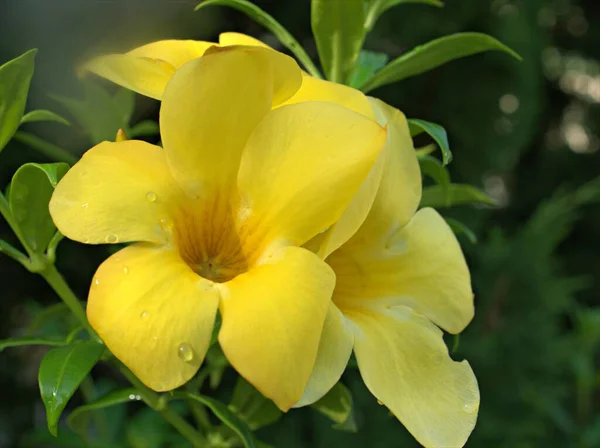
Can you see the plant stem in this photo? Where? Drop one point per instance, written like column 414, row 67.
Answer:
column 60, row 286
column 48, row 149
column 13, row 253
column 158, row 403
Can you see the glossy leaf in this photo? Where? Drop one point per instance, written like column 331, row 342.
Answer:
column 20, row 342
column 15, row 78
column 433, row 54
column 435, row 131
column 338, row 29
column 61, row 372
column 266, row 20
column 337, row 406
column 227, row 416
column 461, row 229
column 99, row 114
column 433, row 168
column 78, row 420
column 43, row 115
column 375, row 8
column 368, row 64
column 252, row 407
column 30, row 192
column 458, row 194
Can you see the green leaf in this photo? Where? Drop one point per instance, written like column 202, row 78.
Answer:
column 435, row 196
column 43, row 115
column 252, row 407
column 61, row 372
column 226, row 416
column 368, row 63
column 459, row 228
column 260, row 16
column 99, row 114
column 375, row 8
column 435, row 131
column 78, row 420
column 147, row 429
column 338, row 29
column 337, row 406
column 434, row 169
column 433, row 54
column 19, row 342
column 30, row 192
column 425, row 150
column 15, row 78
column 146, row 128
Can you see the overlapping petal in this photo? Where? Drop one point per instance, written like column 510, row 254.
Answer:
column 117, row 192
column 272, row 320
column 302, row 165
column 230, row 38
column 147, row 69
column 335, row 348
column 420, row 266
column 211, row 106
column 405, row 364
column 153, row 313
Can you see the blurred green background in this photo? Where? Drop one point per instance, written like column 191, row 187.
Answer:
column 527, row 133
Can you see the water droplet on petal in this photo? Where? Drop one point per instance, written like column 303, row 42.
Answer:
column 125, row 270
column 144, row 315
column 112, row 239
column 151, row 196
column 469, row 408
column 380, row 403
column 185, row 352
column 95, row 283
column 86, row 240
column 85, row 205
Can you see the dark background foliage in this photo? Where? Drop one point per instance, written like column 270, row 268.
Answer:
column 528, row 133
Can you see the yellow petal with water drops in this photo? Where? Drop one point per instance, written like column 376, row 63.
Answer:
column 421, row 266
column 399, row 192
column 334, row 352
column 314, row 89
column 230, row 38
column 211, row 106
column 147, row 69
column 154, row 314
column 117, row 192
column 302, row 166
column 404, row 362
column 272, row 317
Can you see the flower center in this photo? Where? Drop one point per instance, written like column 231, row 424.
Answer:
column 214, row 245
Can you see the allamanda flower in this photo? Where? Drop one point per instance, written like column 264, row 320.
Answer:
column 218, row 218
column 400, row 273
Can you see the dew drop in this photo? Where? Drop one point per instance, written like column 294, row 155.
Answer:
column 138, row 397
column 151, row 196
column 469, row 408
column 125, row 270
column 380, row 403
column 144, row 315
column 185, row 352
column 86, row 240
column 111, row 239
column 95, row 283
column 132, row 396
column 85, row 205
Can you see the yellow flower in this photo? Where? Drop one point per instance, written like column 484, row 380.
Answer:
column 400, row 274
column 218, row 218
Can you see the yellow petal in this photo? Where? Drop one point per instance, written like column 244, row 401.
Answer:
column 314, row 89
column 211, row 106
column 174, row 52
column 405, row 364
column 147, row 69
column 153, row 313
column 272, row 321
column 400, row 189
column 421, row 266
column 302, row 166
column 117, row 192
column 228, row 39
column 334, row 352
